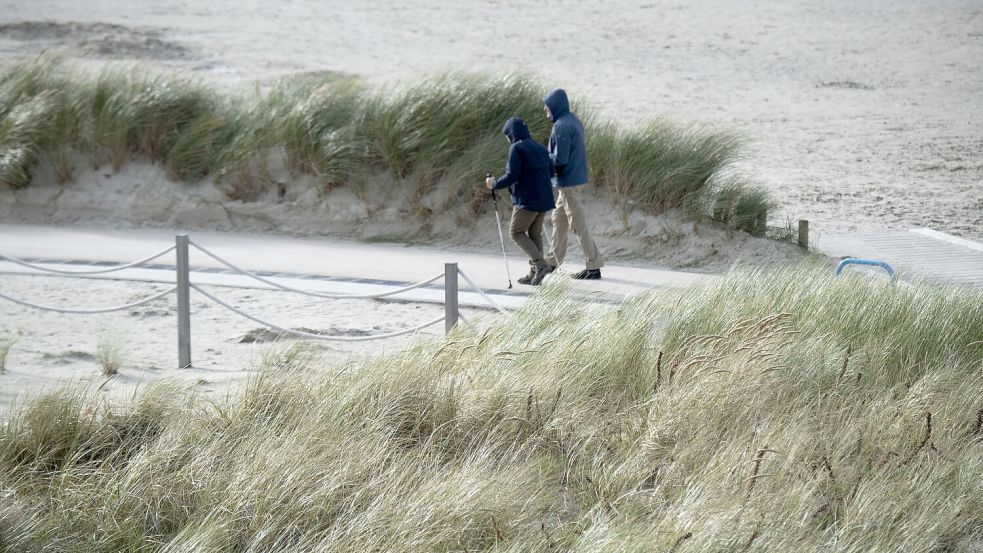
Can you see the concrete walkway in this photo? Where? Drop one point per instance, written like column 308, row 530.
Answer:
column 917, row 253
column 322, row 265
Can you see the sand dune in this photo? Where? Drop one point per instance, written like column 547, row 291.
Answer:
column 860, row 116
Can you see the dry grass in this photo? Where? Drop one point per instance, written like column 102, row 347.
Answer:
column 437, row 137
column 727, row 418
column 6, row 343
column 111, row 356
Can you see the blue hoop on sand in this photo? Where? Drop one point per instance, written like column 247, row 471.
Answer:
column 871, row 262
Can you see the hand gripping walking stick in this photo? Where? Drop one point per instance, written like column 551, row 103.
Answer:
column 501, row 236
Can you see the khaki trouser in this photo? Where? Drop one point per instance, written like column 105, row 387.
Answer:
column 526, row 230
column 569, row 214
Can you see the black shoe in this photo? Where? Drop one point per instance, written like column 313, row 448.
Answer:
column 528, row 278
column 541, row 274
column 588, row 274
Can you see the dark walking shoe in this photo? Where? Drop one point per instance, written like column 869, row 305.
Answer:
column 541, row 274
column 588, row 274
column 528, row 278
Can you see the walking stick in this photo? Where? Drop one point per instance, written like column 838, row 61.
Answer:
column 501, row 236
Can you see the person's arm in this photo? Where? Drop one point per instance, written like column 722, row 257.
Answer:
column 513, row 168
column 560, row 148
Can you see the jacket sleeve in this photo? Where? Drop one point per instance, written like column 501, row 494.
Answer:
column 560, row 148
column 513, row 168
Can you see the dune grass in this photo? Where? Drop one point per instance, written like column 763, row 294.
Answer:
column 441, row 134
column 663, row 166
column 6, row 343
column 780, row 412
column 111, row 355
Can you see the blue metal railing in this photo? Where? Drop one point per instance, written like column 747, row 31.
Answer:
column 870, row 262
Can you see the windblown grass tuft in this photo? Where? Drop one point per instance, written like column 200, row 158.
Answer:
column 26, row 130
column 6, row 343
column 736, row 203
column 319, row 121
column 441, row 134
column 111, row 356
column 420, row 131
column 769, row 412
column 660, row 165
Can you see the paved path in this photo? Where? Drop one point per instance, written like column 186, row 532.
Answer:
column 322, row 265
column 918, row 253
column 60, row 349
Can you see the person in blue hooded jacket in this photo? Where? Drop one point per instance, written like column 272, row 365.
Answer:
column 568, row 152
column 527, row 176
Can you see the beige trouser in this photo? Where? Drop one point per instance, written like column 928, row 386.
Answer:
column 526, row 230
column 569, row 214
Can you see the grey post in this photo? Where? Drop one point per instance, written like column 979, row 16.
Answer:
column 804, row 234
column 183, row 303
column 450, row 296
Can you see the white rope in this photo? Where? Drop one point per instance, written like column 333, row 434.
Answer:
column 95, row 272
column 316, row 294
column 317, row 336
column 464, row 319
column 480, row 291
column 89, row 311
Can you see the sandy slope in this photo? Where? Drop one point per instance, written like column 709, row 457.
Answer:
column 862, row 116
column 52, row 350
column 141, row 195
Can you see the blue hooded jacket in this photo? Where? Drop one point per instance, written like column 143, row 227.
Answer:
column 567, row 146
column 528, row 171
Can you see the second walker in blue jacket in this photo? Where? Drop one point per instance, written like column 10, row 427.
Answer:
column 527, row 176
column 568, row 151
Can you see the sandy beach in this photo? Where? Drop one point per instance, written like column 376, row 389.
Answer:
column 858, row 117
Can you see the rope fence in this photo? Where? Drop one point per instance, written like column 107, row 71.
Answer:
column 311, row 334
column 316, row 294
column 89, row 311
column 465, row 320
column 451, row 316
column 137, row 263
column 480, row 292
